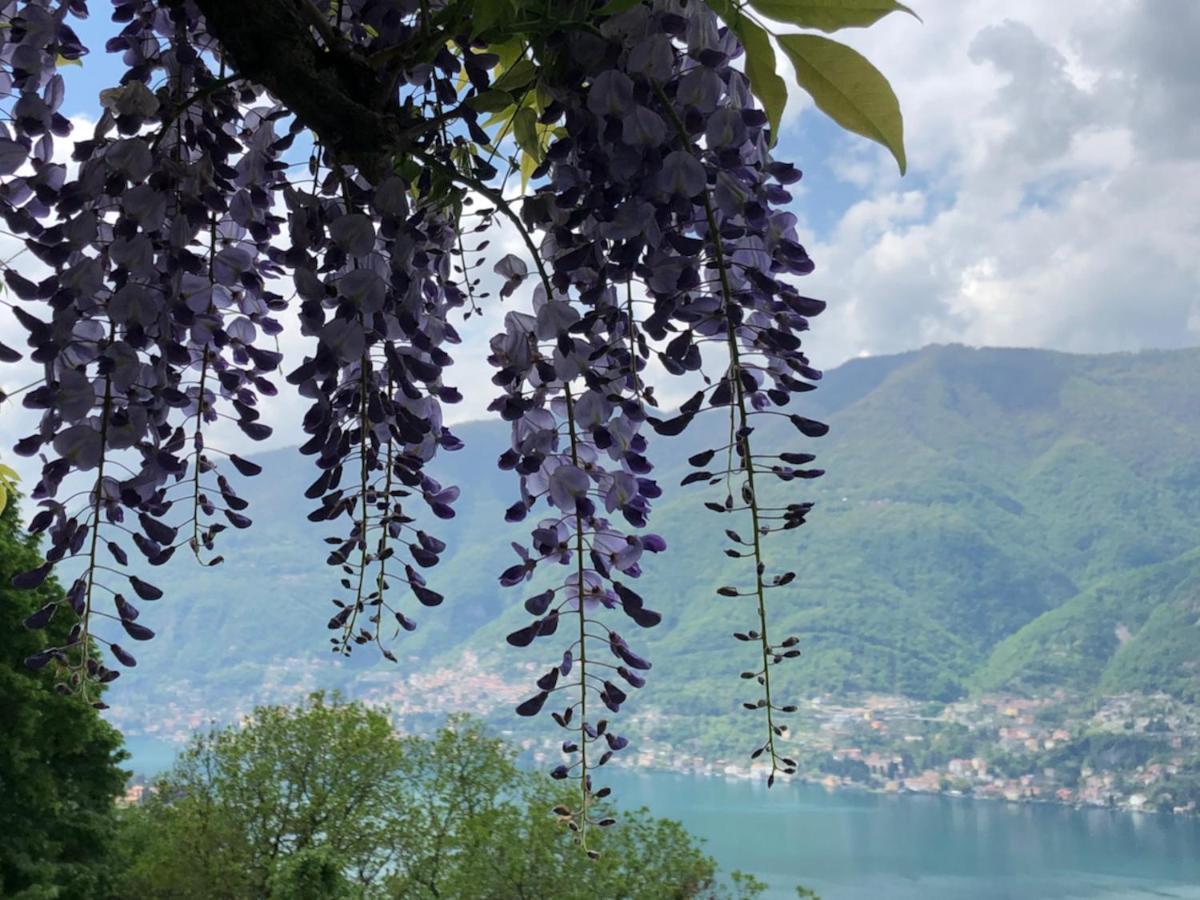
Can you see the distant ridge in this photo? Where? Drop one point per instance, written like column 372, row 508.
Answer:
column 991, row 519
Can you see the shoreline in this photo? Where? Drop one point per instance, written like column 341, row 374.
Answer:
column 815, row 780
column 830, row 784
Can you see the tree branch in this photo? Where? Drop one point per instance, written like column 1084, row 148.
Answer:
column 333, row 91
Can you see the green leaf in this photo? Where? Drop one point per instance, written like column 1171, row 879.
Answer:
column 542, row 98
column 491, row 101
column 528, row 165
column 519, row 74
column 509, row 52
column 829, row 15
column 499, row 118
column 487, row 14
column 525, row 131
column 847, row 88
column 408, row 169
column 768, row 87
column 8, row 484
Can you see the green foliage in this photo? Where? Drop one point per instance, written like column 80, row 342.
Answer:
column 950, row 741
column 1107, row 751
column 324, row 800
column 767, row 86
column 1162, row 656
column 770, row 89
column 240, row 800
column 314, row 873
column 828, row 15
column 850, row 90
column 59, row 761
column 842, row 83
column 8, row 485
column 490, row 14
column 1131, row 631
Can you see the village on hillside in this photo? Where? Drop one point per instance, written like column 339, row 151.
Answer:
column 1133, row 752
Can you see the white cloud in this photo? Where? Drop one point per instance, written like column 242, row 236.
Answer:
column 1054, row 190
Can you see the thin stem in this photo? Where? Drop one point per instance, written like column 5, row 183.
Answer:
column 98, row 493
column 503, row 205
column 743, row 432
column 633, row 344
column 195, row 542
column 182, row 107
column 381, row 582
column 364, row 523
column 584, row 792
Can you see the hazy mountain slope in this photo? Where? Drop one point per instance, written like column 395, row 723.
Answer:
column 1161, row 655
column 1077, row 644
column 969, row 494
column 990, row 518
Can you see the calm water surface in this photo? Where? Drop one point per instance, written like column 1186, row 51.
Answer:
column 856, row 846
column 852, row 846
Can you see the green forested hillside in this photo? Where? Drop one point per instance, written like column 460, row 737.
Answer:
column 991, row 519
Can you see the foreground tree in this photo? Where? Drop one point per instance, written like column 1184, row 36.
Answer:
column 336, row 159
column 324, row 801
column 59, row 761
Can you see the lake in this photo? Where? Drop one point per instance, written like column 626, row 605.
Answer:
column 848, row 845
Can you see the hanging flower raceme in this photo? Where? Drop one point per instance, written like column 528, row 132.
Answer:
column 220, row 188
column 156, row 290
column 379, row 316
column 661, row 191
column 576, row 446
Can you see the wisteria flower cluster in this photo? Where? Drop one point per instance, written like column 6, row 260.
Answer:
column 661, row 199
column 329, row 161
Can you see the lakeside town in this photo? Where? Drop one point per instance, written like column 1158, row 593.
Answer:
column 1132, row 752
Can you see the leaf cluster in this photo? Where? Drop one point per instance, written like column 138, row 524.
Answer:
column 59, row 761
column 325, row 800
column 841, row 81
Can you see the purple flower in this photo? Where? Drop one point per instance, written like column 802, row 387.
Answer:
column 568, row 484
column 725, row 128
column 169, row 239
column 514, row 271
column 643, row 128
column 700, row 89
column 652, row 57
column 610, row 94
column 682, row 175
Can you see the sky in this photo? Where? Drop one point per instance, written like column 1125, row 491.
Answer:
column 1053, row 194
column 1052, row 198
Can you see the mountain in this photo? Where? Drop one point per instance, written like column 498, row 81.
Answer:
column 992, row 519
